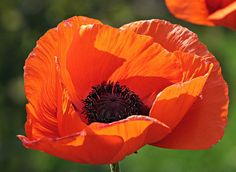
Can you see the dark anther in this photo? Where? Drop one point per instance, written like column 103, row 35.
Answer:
column 110, row 102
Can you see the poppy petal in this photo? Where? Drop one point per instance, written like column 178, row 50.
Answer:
column 206, row 12
column 174, row 101
column 192, row 66
column 192, row 11
column 155, row 61
column 154, row 57
column 204, row 123
column 113, row 141
column 150, row 63
column 40, row 76
column 78, row 147
column 68, row 115
column 35, row 128
column 136, row 131
column 214, row 106
column 171, row 36
column 69, row 120
column 146, row 87
column 124, row 49
column 142, row 56
column 156, row 71
column 87, row 65
column 66, row 33
column 225, row 16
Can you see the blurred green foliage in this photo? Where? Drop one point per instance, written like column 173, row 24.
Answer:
column 22, row 22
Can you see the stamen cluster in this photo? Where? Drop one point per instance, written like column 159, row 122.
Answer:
column 110, row 102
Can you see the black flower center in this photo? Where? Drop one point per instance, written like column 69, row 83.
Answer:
column 110, row 102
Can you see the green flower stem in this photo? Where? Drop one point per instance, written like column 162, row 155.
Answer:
column 115, row 167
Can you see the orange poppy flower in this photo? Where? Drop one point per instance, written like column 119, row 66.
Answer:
column 97, row 93
column 205, row 12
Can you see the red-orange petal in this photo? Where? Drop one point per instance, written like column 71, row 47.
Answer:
column 225, row 16
column 66, row 33
column 146, row 87
column 148, row 67
column 192, row 11
column 205, row 12
column 82, row 147
column 154, row 61
column 192, row 66
column 174, row 101
column 35, row 128
column 213, row 107
column 69, row 120
column 136, row 131
column 142, row 56
column 172, row 37
column 87, row 65
column 147, row 75
column 126, row 50
column 203, row 125
column 113, row 141
column 189, row 66
column 42, row 81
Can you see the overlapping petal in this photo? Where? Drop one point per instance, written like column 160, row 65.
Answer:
column 195, row 124
column 84, row 61
column 174, row 101
column 147, row 68
column 205, row 12
column 66, row 31
column 41, row 81
column 78, row 147
column 102, row 143
column 119, row 55
column 43, row 85
column 225, row 16
column 136, row 131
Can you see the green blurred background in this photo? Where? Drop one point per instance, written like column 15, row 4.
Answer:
column 22, row 22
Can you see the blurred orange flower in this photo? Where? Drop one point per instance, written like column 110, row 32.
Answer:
column 97, row 93
column 205, row 12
